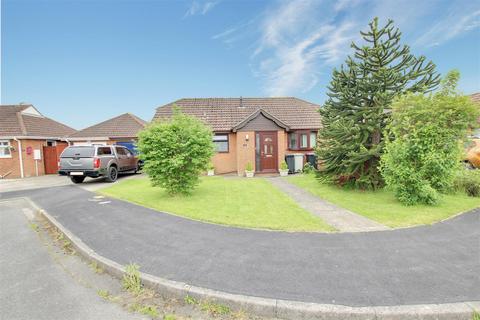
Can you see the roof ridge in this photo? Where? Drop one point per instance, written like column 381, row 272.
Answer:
column 137, row 119
column 20, row 121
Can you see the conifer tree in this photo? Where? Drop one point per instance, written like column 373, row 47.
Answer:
column 360, row 94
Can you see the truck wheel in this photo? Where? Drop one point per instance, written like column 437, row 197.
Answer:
column 112, row 174
column 77, row 179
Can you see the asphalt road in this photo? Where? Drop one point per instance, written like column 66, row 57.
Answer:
column 35, row 286
column 422, row 265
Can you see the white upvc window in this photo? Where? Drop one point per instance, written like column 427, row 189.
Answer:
column 221, row 142
column 5, row 149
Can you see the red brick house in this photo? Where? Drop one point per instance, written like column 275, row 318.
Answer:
column 30, row 143
column 260, row 131
column 122, row 130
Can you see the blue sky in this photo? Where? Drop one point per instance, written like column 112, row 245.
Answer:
column 81, row 62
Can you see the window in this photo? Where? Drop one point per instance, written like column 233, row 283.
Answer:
column 221, row 142
column 5, row 149
column 302, row 140
column 128, row 153
column 103, row 151
column 313, row 139
column 292, row 140
column 120, row 151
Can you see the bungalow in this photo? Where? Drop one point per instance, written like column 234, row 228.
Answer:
column 122, row 130
column 259, row 131
column 30, row 143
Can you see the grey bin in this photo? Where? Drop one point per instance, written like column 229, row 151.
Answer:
column 312, row 159
column 298, row 162
column 290, row 160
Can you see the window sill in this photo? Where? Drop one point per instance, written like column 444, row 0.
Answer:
column 5, row 157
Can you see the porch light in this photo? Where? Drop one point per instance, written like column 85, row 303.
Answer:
column 246, row 137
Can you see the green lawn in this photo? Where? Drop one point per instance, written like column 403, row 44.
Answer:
column 382, row 206
column 252, row 203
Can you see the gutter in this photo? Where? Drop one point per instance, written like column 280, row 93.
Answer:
column 20, row 158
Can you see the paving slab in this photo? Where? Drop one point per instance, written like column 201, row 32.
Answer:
column 341, row 219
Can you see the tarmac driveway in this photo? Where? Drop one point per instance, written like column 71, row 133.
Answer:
column 423, row 265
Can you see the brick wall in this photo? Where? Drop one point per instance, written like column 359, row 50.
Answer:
column 245, row 150
column 13, row 164
column 28, row 161
column 226, row 162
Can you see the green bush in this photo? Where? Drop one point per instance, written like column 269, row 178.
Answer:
column 249, row 167
column 468, row 181
column 423, row 143
column 283, row 166
column 176, row 152
column 308, row 168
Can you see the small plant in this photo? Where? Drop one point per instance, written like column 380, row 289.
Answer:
column 148, row 310
column 169, row 317
column 103, row 294
column 34, row 226
column 249, row 170
column 210, row 169
column 96, row 268
column 210, row 166
column 468, row 181
column 190, row 300
column 308, row 168
column 66, row 244
column 215, row 308
column 283, row 169
column 475, row 315
column 131, row 279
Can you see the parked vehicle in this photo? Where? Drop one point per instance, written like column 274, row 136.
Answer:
column 472, row 149
column 79, row 162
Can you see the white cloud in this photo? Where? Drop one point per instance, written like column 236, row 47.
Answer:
column 200, row 7
column 450, row 27
column 295, row 42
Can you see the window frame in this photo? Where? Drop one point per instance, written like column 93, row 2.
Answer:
column 227, row 140
column 9, row 147
column 298, row 134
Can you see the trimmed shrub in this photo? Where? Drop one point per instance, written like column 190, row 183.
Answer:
column 176, row 152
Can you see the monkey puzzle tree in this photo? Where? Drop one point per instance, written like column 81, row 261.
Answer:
column 357, row 110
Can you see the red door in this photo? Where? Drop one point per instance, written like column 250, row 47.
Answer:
column 50, row 159
column 268, row 151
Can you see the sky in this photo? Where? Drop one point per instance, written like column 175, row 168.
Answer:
column 82, row 62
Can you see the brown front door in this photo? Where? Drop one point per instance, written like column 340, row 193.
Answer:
column 50, row 159
column 268, row 151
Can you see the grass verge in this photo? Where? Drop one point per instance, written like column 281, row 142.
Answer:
column 382, row 206
column 252, row 203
